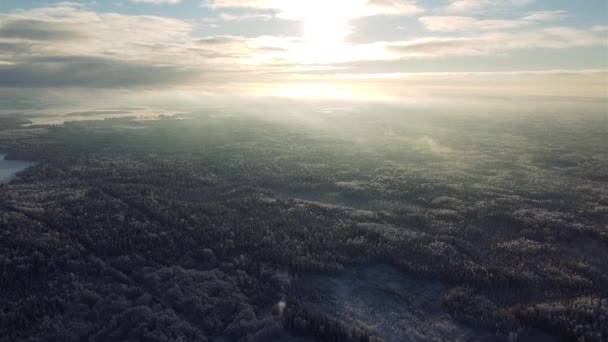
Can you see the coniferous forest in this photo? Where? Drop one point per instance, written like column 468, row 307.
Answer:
column 223, row 228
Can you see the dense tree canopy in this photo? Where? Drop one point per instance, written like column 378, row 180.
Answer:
column 206, row 228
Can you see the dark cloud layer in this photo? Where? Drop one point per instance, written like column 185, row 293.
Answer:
column 430, row 46
column 97, row 112
column 39, row 30
column 219, row 40
column 94, row 72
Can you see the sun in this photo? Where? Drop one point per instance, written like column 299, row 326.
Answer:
column 326, row 29
column 326, row 24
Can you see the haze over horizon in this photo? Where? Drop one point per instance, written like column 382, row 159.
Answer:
column 75, row 56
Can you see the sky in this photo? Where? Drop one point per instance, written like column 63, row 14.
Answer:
column 366, row 50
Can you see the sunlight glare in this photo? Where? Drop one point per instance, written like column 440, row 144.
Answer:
column 326, row 29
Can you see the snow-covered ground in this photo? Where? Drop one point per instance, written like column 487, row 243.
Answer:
column 398, row 307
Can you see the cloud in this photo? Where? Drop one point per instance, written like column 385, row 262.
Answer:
column 221, row 40
column 158, row 2
column 545, row 15
column 64, row 23
column 572, row 37
column 90, row 72
column 296, row 10
column 600, row 28
column 244, row 16
column 450, row 23
column 97, row 113
column 391, row 7
column 482, row 5
column 460, row 23
column 468, row 74
column 437, row 47
column 70, row 46
column 33, row 29
column 70, row 30
column 496, row 43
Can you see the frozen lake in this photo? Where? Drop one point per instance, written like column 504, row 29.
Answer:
column 9, row 168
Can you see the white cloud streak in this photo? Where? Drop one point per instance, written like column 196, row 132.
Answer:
column 296, row 10
column 450, row 23
column 546, row 15
column 482, row 5
column 158, row 2
column 244, row 16
column 461, row 23
column 496, row 43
